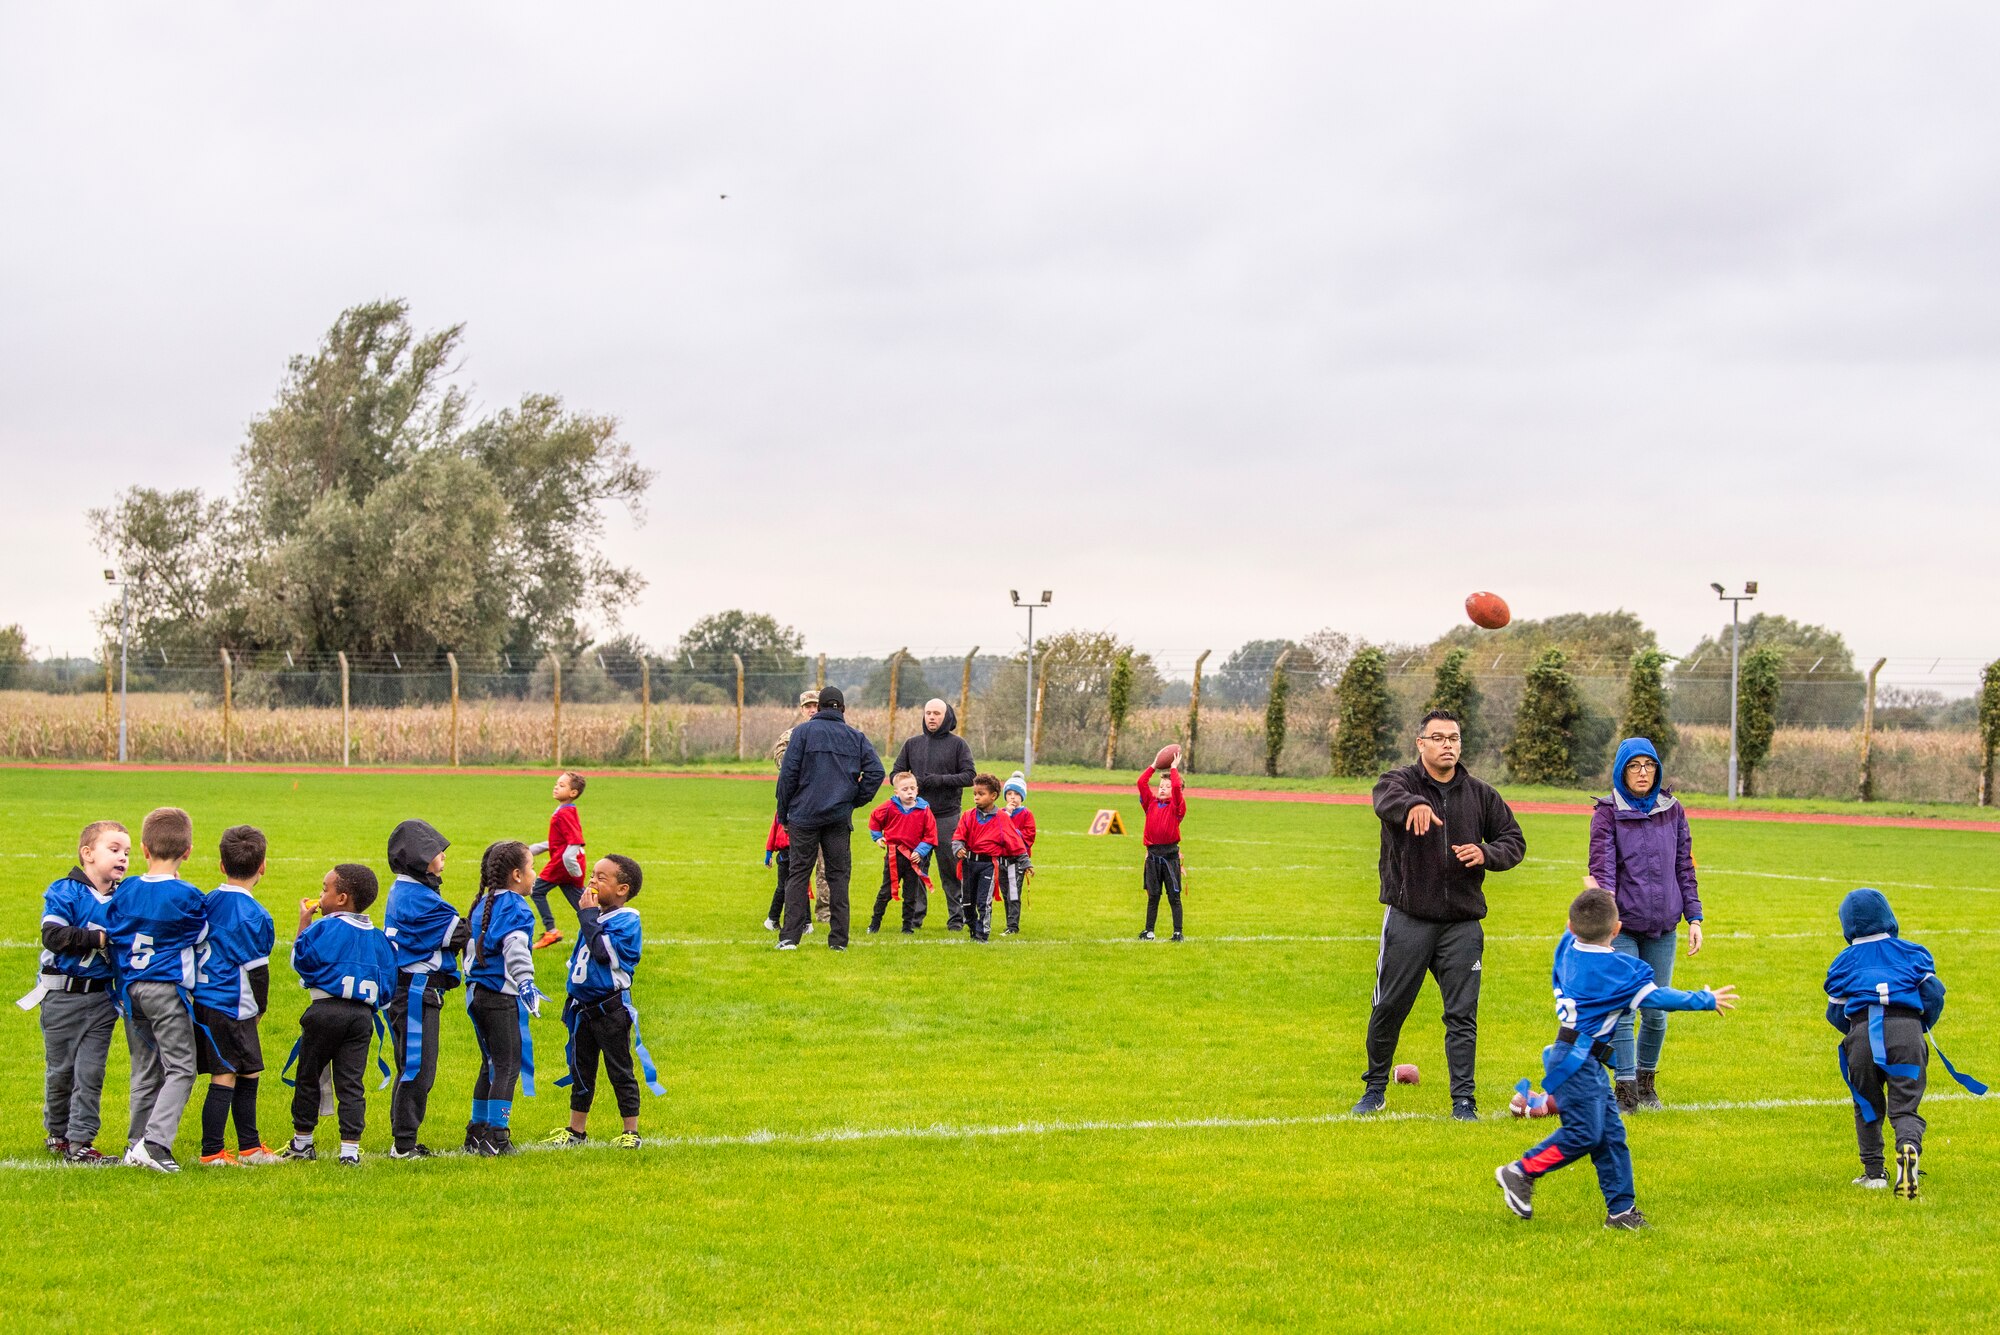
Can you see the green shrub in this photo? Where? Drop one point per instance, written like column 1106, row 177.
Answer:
column 1366, row 736
column 1542, row 749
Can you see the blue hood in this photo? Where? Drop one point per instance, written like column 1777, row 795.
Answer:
column 1866, row 912
column 1627, row 749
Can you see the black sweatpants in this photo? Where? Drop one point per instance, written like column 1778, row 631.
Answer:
column 784, row 861
column 1893, row 1097
column 810, row 843
column 1450, row 952
column 915, row 897
column 539, row 892
column 606, row 1030
column 1163, row 875
column 411, row 1099
column 334, row 1033
column 947, row 871
column 496, row 1018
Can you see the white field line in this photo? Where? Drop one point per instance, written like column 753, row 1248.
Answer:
column 941, row 1131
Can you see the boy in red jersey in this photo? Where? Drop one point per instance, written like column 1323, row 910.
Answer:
column 1165, row 807
column 1014, row 801
column 991, row 853
column 565, row 868
column 908, row 832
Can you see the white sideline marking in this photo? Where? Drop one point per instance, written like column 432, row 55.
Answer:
column 942, row 1131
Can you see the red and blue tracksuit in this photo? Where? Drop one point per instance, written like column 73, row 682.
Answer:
column 993, row 852
column 1594, row 986
column 908, row 834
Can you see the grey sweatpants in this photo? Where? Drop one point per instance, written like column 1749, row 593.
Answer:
column 160, row 1034
column 1894, row 1098
column 1449, row 952
column 76, row 1039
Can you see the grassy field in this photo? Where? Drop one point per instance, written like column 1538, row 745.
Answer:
column 1067, row 1130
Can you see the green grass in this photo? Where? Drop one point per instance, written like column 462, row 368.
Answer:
column 814, row 1164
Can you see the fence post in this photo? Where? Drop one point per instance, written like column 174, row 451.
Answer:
column 555, row 695
column 452, row 659
column 110, row 745
column 1194, row 715
column 895, row 690
column 739, row 700
column 820, row 683
column 346, row 730
column 965, row 689
column 1868, row 736
column 645, row 710
column 228, row 744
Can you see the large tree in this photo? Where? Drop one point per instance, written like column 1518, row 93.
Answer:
column 774, row 664
column 371, row 515
column 1823, row 688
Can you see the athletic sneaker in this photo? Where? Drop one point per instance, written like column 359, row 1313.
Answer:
column 788, row 945
column 562, row 1138
column 547, row 939
column 1906, row 1172
column 1464, row 1110
column 475, row 1138
column 1372, row 1101
column 909, row 931
column 298, row 1153
column 1147, row 935
column 499, row 1140
column 57, row 1146
column 1177, row 936
column 414, row 1152
column 874, row 927
column 1628, row 1219
column 1517, row 1189
column 770, row 924
column 87, row 1156
column 145, row 1154
column 220, row 1159
column 1011, row 931
column 350, row 1160
column 1875, row 1183
column 628, row 1141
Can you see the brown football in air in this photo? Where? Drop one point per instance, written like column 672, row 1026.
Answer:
column 1168, row 755
column 1488, row 610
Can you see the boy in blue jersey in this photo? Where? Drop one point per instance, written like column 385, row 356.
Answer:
column 75, row 991
column 1594, row 986
column 156, row 923
column 232, row 989
column 599, row 1013
column 348, row 970
column 1885, row 997
column 501, row 993
column 427, row 935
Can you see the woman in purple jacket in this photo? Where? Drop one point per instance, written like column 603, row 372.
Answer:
column 1641, row 852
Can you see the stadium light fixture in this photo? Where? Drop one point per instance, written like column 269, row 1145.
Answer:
column 125, row 587
column 1735, row 601
column 1028, row 733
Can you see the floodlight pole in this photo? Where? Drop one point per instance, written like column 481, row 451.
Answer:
column 1735, row 601
column 124, row 646
column 1028, row 719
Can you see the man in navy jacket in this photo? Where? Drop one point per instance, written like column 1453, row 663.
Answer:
column 829, row 769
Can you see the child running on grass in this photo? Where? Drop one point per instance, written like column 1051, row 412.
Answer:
column 232, row 990
column 564, row 869
column 599, row 1014
column 1594, row 985
column 76, row 991
column 1885, row 997
column 1165, row 807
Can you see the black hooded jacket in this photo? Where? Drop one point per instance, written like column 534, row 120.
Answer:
column 943, row 765
column 413, row 846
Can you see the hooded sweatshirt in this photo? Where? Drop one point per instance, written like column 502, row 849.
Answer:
column 1641, row 851
column 1879, row 967
column 424, row 932
column 943, row 765
column 1420, row 874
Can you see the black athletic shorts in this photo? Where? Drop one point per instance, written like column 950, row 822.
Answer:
column 228, row 1040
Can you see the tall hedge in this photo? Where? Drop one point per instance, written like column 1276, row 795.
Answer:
column 1118, row 699
column 1646, row 704
column 1366, row 735
column 1542, row 747
column 1757, row 692
column 1274, row 716
column 1452, row 688
column 1989, row 731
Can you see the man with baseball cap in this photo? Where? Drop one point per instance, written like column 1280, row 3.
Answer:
column 829, row 770
column 808, row 706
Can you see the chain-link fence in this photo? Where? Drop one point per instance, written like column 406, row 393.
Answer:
column 593, row 709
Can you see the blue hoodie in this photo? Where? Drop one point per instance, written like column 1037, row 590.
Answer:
column 1879, row 967
column 1628, row 750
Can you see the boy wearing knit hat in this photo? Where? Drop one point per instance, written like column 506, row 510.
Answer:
column 1014, row 796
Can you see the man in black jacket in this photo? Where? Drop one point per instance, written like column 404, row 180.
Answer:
column 1442, row 831
column 829, row 770
column 943, row 765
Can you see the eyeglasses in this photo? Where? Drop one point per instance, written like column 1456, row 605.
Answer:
column 1439, row 738
column 1642, row 764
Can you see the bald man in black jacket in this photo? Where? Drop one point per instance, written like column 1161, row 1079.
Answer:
column 943, row 765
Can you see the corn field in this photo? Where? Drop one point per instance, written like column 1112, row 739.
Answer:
column 163, row 727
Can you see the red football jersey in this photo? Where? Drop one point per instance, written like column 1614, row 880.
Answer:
column 565, row 865
column 1024, row 821
column 1163, row 819
column 904, row 828
column 994, row 836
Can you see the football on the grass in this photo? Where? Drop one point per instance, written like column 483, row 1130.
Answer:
column 1488, row 610
column 1407, row 1074
column 1532, row 1105
column 1168, row 755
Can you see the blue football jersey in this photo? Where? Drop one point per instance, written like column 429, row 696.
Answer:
column 70, row 902
column 1886, row 970
column 240, row 937
column 498, row 917
column 1594, row 985
column 418, row 923
column 156, row 922
column 344, row 956
column 592, row 979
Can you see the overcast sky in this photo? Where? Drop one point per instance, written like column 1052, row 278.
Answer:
column 1221, row 321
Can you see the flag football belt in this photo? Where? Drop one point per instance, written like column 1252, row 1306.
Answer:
column 1573, row 1060
column 62, row 982
column 1878, row 1049
column 292, row 1057
column 527, row 1038
column 573, row 1013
